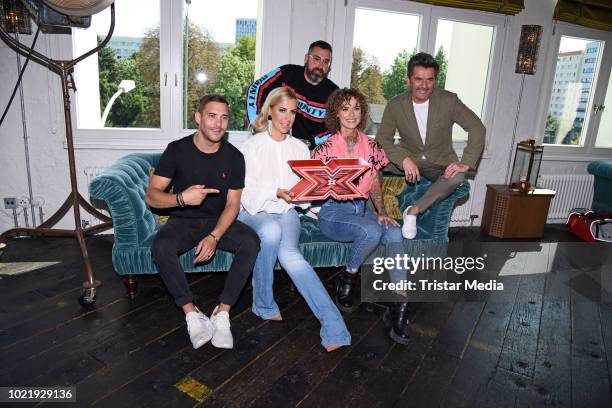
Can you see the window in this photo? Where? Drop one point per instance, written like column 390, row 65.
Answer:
column 581, row 121
column 380, row 72
column 174, row 51
column 463, row 62
column 110, row 96
column 463, row 43
column 218, row 55
column 564, row 128
column 604, row 135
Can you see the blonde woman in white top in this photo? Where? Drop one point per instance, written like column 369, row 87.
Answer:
column 268, row 209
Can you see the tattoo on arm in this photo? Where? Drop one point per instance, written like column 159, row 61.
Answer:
column 376, row 193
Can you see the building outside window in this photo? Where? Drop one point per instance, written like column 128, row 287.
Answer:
column 246, row 26
column 564, row 124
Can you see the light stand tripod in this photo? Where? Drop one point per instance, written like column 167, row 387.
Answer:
column 74, row 200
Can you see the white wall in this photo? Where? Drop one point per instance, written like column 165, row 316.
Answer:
column 289, row 26
column 42, row 99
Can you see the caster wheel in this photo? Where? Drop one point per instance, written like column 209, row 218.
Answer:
column 88, row 297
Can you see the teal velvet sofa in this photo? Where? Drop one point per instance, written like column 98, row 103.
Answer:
column 602, row 188
column 123, row 186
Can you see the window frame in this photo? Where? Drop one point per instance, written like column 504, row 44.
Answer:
column 498, row 22
column 405, row 7
column 426, row 43
column 587, row 151
column 170, row 96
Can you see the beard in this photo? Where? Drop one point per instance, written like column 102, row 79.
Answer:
column 315, row 75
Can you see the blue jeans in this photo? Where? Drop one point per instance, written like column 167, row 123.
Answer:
column 352, row 221
column 279, row 235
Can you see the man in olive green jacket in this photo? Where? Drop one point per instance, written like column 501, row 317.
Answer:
column 424, row 117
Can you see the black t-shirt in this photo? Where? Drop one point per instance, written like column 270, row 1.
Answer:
column 187, row 165
column 310, row 121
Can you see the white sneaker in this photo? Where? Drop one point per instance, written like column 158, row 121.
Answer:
column 222, row 337
column 199, row 327
column 409, row 228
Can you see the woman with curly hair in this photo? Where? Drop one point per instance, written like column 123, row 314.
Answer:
column 351, row 220
column 267, row 207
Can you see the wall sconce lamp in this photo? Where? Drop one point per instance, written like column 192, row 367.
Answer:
column 529, row 45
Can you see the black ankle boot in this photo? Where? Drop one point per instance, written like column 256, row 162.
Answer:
column 345, row 289
column 396, row 318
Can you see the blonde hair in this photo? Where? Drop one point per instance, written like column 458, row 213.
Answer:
column 260, row 123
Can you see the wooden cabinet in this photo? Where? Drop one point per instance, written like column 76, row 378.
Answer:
column 511, row 214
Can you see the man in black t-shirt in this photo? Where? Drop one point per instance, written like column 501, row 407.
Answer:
column 311, row 86
column 207, row 174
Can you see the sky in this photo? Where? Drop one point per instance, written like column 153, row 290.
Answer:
column 385, row 33
column 400, row 32
column 572, row 44
column 218, row 17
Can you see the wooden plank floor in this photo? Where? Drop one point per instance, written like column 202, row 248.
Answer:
column 541, row 342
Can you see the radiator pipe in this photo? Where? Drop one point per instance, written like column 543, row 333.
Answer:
column 25, row 144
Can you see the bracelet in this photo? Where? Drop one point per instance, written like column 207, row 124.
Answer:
column 214, row 237
column 179, row 200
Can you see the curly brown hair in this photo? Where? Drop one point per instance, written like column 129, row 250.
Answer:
column 337, row 100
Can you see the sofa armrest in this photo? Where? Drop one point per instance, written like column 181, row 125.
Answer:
column 122, row 186
column 602, row 186
column 601, row 168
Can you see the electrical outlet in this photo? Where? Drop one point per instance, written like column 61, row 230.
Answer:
column 23, row 201
column 38, row 201
column 10, row 203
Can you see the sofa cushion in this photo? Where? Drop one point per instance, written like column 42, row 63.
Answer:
column 392, row 187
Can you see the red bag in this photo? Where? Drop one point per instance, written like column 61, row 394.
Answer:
column 590, row 226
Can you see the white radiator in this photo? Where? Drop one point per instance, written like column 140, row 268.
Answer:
column 461, row 214
column 572, row 190
column 90, row 173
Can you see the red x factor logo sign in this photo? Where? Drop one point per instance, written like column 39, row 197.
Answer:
column 336, row 179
